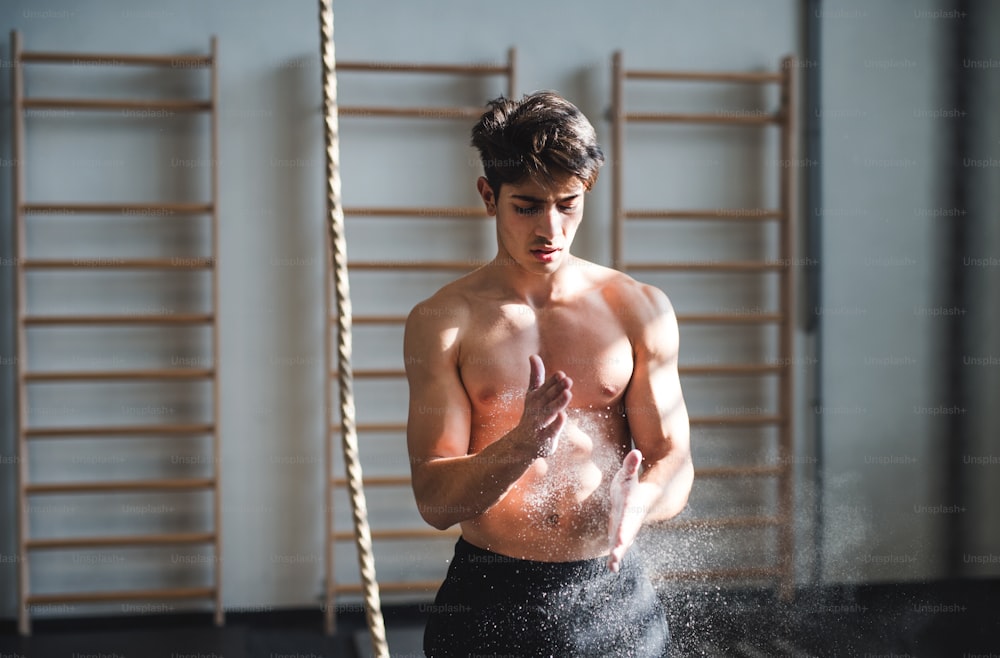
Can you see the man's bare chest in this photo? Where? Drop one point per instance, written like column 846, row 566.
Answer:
column 587, row 342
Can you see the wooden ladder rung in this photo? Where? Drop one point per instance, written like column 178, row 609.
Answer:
column 373, row 319
column 711, row 266
column 122, row 595
column 412, row 112
column 422, row 213
column 138, row 318
column 116, row 375
column 117, row 430
column 113, row 262
column 376, row 481
column 704, row 76
column 391, row 67
column 375, row 373
column 461, row 265
column 741, row 214
column 131, row 209
column 134, row 540
column 738, row 419
column 374, row 427
column 114, row 487
column 144, row 108
column 172, row 61
column 402, row 534
column 734, row 117
column 739, row 471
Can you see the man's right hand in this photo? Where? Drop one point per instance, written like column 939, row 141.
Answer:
column 545, row 406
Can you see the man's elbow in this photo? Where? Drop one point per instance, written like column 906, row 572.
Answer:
column 436, row 516
column 684, row 485
column 675, row 498
column 435, row 513
column 428, row 497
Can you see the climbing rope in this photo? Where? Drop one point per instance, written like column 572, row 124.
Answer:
column 338, row 244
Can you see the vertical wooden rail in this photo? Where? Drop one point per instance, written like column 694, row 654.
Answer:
column 216, row 432
column 617, row 150
column 20, row 303
column 511, row 72
column 787, row 332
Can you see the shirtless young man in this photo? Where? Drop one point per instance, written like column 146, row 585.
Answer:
column 546, row 415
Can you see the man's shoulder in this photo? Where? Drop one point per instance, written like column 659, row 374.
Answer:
column 450, row 306
column 644, row 310
column 631, row 297
column 447, row 302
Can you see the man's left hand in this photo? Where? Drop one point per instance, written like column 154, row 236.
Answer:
column 626, row 513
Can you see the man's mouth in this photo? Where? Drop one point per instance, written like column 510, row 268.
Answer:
column 545, row 254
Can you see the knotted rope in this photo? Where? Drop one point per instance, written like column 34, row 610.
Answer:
column 338, row 244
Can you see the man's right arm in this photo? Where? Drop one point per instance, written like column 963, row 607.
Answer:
column 449, row 484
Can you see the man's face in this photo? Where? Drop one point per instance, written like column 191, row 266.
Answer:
column 536, row 222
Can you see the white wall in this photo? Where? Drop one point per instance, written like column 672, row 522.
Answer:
column 271, row 263
column 272, row 256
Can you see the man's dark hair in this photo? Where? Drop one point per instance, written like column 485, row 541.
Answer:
column 542, row 136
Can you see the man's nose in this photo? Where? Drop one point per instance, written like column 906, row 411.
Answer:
column 548, row 223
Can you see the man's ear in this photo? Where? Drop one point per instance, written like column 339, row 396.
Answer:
column 486, row 192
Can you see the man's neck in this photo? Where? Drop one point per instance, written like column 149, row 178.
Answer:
column 535, row 289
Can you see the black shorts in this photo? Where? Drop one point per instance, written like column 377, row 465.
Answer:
column 498, row 606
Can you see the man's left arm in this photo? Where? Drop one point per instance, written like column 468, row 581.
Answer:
column 655, row 479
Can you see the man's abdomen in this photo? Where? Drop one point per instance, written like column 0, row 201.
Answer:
column 558, row 510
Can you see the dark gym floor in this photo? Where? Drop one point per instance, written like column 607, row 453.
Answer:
column 936, row 620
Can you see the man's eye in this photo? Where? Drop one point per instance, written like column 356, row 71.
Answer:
column 531, row 210
column 567, row 209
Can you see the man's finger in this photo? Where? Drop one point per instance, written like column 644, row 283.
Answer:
column 557, row 424
column 613, row 564
column 558, row 385
column 561, row 402
column 537, row 375
column 549, row 435
column 630, row 465
column 553, row 408
column 615, row 559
